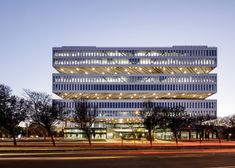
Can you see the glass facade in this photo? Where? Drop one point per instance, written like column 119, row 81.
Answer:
column 118, row 80
column 191, row 78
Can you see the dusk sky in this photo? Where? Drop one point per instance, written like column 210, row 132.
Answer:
column 29, row 29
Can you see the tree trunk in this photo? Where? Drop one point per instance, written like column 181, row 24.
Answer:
column 189, row 135
column 88, row 137
column 176, row 137
column 150, row 138
column 217, row 132
column 12, row 132
column 200, row 137
column 52, row 138
column 203, row 134
column 88, row 134
column 14, row 139
column 44, row 136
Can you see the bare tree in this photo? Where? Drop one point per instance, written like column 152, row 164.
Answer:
column 43, row 112
column 13, row 110
column 232, row 121
column 151, row 116
column 84, row 116
column 219, row 131
column 176, row 119
column 190, row 125
column 35, row 129
column 231, row 133
column 200, row 125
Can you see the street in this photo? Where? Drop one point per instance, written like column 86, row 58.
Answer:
column 121, row 158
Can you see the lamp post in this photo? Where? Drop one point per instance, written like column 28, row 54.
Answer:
column 121, row 137
column 143, row 135
column 189, row 132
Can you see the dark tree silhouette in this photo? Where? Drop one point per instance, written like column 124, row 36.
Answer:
column 84, row 116
column 175, row 119
column 152, row 116
column 44, row 112
column 200, row 126
column 219, row 131
column 13, row 110
column 231, row 130
column 190, row 125
column 35, row 129
column 232, row 121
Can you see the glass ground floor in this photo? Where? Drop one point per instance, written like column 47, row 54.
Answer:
column 131, row 131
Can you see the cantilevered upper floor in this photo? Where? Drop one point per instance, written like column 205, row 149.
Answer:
column 117, row 80
column 131, row 60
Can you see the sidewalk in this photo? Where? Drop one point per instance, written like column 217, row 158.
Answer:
column 114, row 145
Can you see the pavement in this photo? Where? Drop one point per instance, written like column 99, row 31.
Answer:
column 222, row 158
column 115, row 154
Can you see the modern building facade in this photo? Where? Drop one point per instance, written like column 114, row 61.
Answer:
column 117, row 80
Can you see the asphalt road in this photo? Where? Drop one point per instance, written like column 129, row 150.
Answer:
column 119, row 159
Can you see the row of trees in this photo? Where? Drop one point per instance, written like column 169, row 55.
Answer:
column 35, row 107
column 43, row 114
column 163, row 117
column 176, row 119
column 13, row 110
column 38, row 109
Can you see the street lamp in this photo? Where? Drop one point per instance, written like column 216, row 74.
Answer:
column 143, row 135
column 121, row 137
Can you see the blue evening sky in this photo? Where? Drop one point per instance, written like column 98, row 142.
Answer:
column 30, row 28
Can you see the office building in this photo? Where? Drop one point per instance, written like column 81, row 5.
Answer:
column 117, row 80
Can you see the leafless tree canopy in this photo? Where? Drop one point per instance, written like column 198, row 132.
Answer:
column 85, row 116
column 43, row 112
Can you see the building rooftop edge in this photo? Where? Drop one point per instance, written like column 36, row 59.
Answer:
column 134, row 48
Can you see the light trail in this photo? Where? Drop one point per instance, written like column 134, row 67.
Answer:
column 66, row 158
column 223, row 167
column 125, row 152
